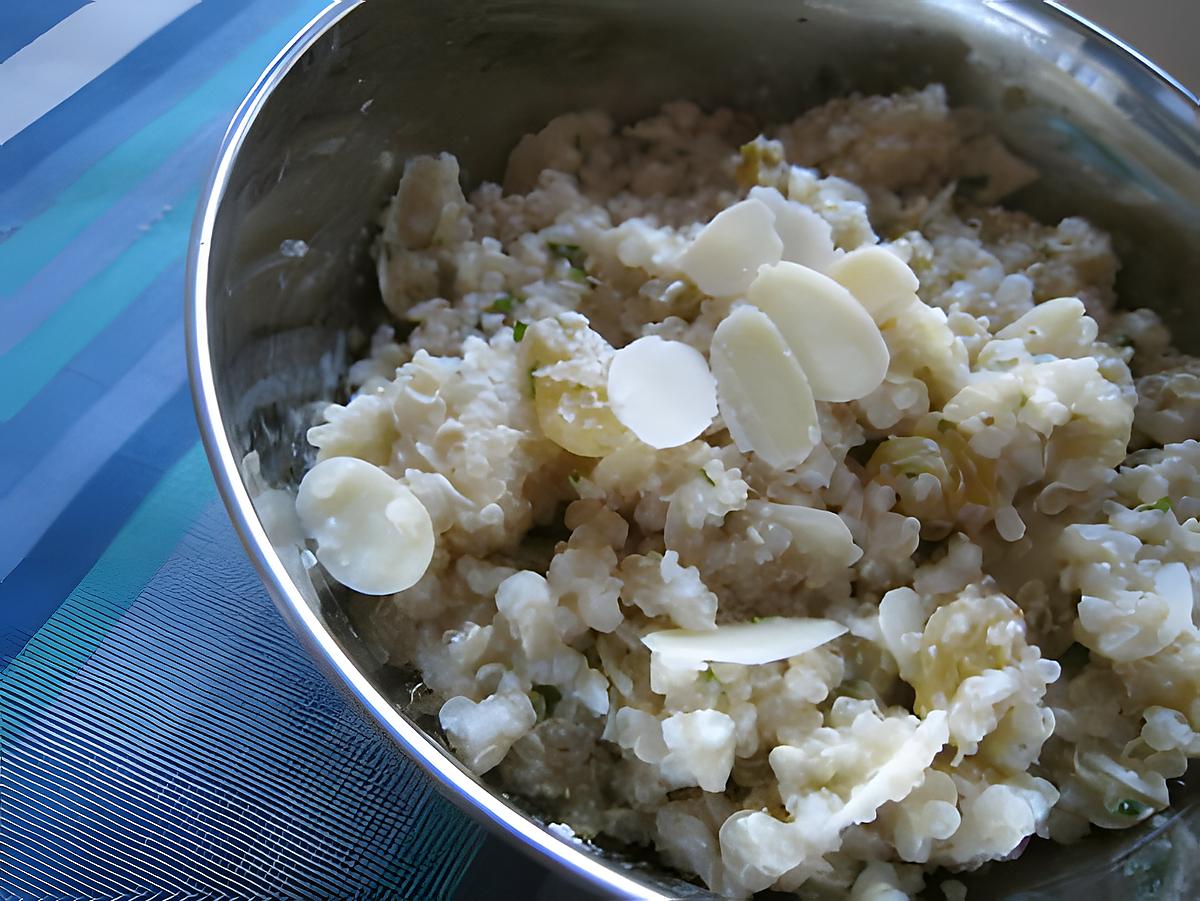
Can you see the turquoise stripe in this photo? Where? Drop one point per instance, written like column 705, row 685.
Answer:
column 40, row 239
column 29, row 366
column 59, row 650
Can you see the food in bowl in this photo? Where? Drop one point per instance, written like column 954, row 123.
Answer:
column 775, row 500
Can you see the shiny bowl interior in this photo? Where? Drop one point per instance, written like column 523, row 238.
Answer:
column 318, row 145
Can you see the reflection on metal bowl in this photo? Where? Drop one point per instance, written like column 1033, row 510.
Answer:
column 280, row 279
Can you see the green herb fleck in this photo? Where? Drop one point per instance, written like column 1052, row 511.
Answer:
column 1130, row 808
column 532, row 382
column 502, row 304
column 577, row 275
column 519, row 329
column 574, row 478
column 945, row 425
column 1163, row 504
column 709, row 676
column 550, row 696
column 757, row 619
column 708, row 478
column 572, row 253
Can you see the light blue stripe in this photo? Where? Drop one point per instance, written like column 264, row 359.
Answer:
column 39, row 240
column 42, row 161
column 134, row 555
column 29, row 366
column 44, row 491
column 105, row 239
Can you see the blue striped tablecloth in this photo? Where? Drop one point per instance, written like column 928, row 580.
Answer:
column 161, row 732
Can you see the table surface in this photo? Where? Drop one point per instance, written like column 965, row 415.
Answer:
column 161, row 731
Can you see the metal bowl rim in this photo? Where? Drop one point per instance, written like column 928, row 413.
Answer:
column 475, row 797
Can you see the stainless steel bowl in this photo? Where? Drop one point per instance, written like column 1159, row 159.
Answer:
column 319, row 142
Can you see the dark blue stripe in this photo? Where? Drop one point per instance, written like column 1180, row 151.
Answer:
column 32, row 592
column 52, row 152
column 200, row 754
column 73, row 391
column 114, row 232
column 21, row 23
column 144, row 65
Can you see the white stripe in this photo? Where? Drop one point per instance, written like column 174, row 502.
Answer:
column 44, row 73
column 42, row 493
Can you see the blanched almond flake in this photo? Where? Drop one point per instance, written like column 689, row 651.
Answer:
column 762, row 641
column 822, row 532
column 763, row 393
column 372, row 533
column 662, row 391
column 724, row 257
column 807, row 238
column 878, row 279
column 828, row 331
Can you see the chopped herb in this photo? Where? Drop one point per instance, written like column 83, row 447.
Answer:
column 945, row 425
column 577, row 275
column 574, row 479
column 1163, row 504
column 572, row 253
column 1130, row 808
column 757, row 619
column 502, row 305
column 550, row 696
column 709, row 676
column 1024, row 401
column 708, row 478
column 519, row 329
column 532, row 382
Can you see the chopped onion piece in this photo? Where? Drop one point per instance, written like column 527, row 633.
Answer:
column 662, row 391
column 807, row 238
column 762, row 392
column 831, row 334
column 762, row 641
column 878, row 279
column 724, row 257
column 372, row 533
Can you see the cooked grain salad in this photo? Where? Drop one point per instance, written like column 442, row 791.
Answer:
column 777, row 501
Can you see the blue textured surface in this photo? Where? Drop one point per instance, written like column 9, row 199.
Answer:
column 162, row 733
column 198, row 750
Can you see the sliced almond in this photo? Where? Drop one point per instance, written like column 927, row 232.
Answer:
column 878, row 279
column 762, row 391
column 762, row 641
column 831, row 334
column 821, row 532
column 662, row 391
column 372, row 533
column 807, row 238
column 724, row 257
